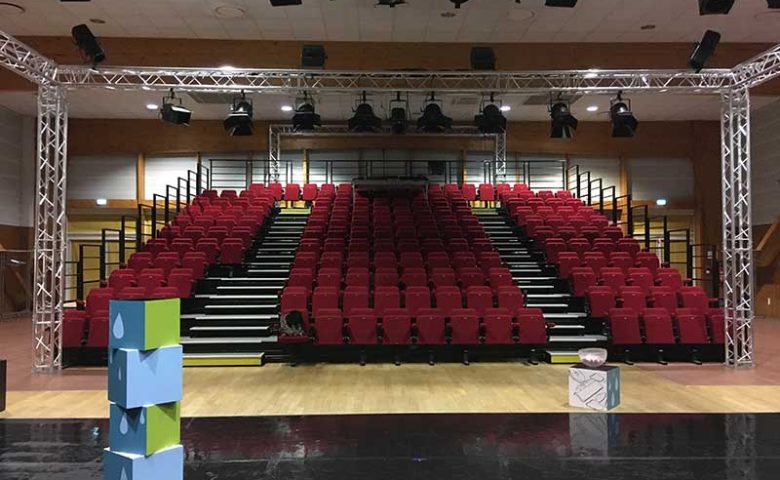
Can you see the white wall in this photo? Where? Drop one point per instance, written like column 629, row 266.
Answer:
column 102, row 176
column 765, row 137
column 15, row 188
column 669, row 178
column 164, row 170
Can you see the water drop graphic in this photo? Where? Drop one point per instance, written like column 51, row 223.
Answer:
column 123, row 427
column 124, row 474
column 119, row 374
column 142, row 419
column 119, row 327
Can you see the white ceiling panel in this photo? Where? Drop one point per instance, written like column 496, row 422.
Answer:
column 418, row 21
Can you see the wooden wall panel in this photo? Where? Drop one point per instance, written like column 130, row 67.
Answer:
column 15, row 238
column 380, row 55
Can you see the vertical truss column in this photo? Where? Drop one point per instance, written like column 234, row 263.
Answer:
column 737, row 227
column 500, row 166
column 50, row 228
column 274, row 153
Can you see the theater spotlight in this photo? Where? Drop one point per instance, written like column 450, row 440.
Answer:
column 490, row 119
column 624, row 123
column 458, row 3
column 89, row 45
column 239, row 122
column 563, row 122
column 704, row 50
column 432, row 119
column 364, row 119
column 715, row 7
column 172, row 111
column 306, row 118
column 399, row 120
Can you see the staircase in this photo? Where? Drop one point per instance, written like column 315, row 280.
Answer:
column 572, row 328
column 233, row 315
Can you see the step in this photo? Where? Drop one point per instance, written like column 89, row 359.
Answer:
column 203, row 317
column 266, row 288
column 533, row 279
column 547, row 305
column 270, row 264
column 267, row 270
column 226, row 340
column 576, row 328
column 563, row 356
column 533, row 287
column 565, row 316
column 577, row 338
column 236, row 329
column 237, row 297
column 272, row 306
column 547, row 296
column 223, row 359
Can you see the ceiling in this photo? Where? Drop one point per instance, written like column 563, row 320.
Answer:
column 122, row 104
column 419, row 21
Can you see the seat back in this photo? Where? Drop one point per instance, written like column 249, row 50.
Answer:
column 465, row 326
column 532, row 327
column 658, row 326
column 624, row 325
column 397, row 327
column 362, row 326
column 498, row 326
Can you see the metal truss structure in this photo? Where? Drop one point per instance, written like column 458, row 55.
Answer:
column 737, row 227
column 276, row 132
column 50, row 228
column 452, row 82
column 20, row 58
column 53, row 80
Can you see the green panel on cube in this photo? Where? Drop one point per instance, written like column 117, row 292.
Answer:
column 145, row 430
column 144, row 324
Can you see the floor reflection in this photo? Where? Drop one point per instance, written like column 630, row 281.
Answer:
column 532, row 446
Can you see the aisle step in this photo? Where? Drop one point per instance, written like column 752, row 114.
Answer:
column 223, row 359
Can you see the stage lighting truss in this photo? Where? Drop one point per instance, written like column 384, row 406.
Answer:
column 733, row 86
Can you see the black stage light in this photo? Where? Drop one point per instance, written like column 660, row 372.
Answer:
column 172, row 111
column 306, row 118
column 560, row 3
column 88, row 44
column 432, row 119
column 773, row 3
column 624, row 124
column 563, row 122
column 399, row 119
column 490, row 120
column 313, row 56
column 285, row 3
column 239, row 122
column 458, row 3
column 364, row 119
column 390, row 3
column 715, row 7
column 483, row 58
column 704, row 50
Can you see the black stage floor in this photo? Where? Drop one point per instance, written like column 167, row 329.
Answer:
column 430, row 447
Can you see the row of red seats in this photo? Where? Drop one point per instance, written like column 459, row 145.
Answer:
column 659, row 327
column 151, row 279
column 580, row 253
column 603, row 299
column 583, row 279
column 446, row 298
column 197, row 261
column 497, row 326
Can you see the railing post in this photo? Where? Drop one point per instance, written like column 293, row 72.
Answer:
column 80, row 274
column 715, row 273
column 667, row 242
column 154, row 216
column 122, row 241
column 647, row 228
column 689, row 250
column 630, row 215
column 601, row 197
column 103, row 254
column 139, row 229
column 198, row 178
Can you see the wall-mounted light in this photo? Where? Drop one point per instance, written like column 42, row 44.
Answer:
column 661, row 202
column 101, row 202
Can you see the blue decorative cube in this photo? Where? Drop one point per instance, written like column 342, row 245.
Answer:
column 166, row 464
column 594, row 388
column 144, row 324
column 137, row 378
column 145, row 430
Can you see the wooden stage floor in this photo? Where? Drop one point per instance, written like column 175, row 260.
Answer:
column 411, row 388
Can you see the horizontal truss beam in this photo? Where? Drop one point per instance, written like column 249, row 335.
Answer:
column 25, row 61
column 324, row 81
column 759, row 69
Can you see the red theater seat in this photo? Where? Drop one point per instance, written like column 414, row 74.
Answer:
column 582, row 279
column 396, row 327
column 430, row 327
column 624, row 324
column 362, row 326
column 414, row 277
column 664, row 297
column 74, row 323
column 309, row 192
column 633, row 298
column 600, row 301
column 324, row 298
column 658, row 326
column 386, row 298
column 329, row 327
column 498, row 326
column 464, row 323
column 292, row 192
column 532, row 327
column 479, row 299
column 355, row 297
column 692, row 326
column 511, row 298
column 448, row 299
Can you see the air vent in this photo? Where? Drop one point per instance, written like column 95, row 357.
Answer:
column 544, row 99
column 211, row 98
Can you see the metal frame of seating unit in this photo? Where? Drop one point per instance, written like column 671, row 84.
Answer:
column 276, row 132
column 54, row 80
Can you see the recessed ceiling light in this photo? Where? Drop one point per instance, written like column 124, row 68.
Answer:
column 101, row 202
column 98, row 21
column 152, row 106
column 287, row 108
column 227, row 68
column 229, row 11
column 649, row 26
column 505, row 108
column 7, row 8
column 593, row 108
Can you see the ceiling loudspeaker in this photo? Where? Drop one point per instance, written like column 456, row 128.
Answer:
column 285, row 3
column 313, row 56
column 715, row 7
column 88, row 44
column 773, row 3
column 704, row 50
column 483, row 58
